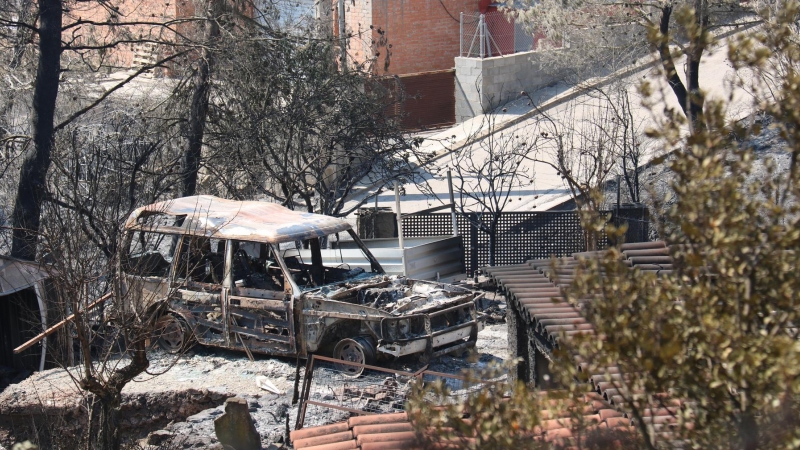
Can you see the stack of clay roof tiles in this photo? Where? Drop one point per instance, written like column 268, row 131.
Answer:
column 395, row 431
column 534, row 290
column 372, row 432
column 534, row 287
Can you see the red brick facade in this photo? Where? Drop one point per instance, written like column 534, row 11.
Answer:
column 423, row 34
column 154, row 39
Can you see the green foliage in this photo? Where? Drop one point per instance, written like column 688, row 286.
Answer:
column 481, row 414
column 719, row 334
column 714, row 343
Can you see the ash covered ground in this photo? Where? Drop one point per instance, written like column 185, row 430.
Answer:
column 175, row 404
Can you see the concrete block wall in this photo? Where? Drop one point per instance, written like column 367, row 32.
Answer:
column 484, row 84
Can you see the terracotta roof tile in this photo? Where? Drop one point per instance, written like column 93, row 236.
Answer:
column 395, row 431
column 551, row 318
column 319, row 431
column 324, row 439
column 348, row 445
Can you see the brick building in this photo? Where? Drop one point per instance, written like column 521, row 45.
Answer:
column 416, row 40
column 423, row 34
column 149, row 39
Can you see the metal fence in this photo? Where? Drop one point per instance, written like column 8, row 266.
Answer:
column 492, row 34
column 521, row 236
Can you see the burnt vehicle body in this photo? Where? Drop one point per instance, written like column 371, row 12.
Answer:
column 228, row 274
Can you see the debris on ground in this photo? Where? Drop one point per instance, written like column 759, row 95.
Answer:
column 177, row 401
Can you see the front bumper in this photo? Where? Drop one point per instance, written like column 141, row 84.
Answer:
column 433, row 334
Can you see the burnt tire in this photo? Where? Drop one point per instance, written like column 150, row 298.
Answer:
column 173, row 334
column 358, row 350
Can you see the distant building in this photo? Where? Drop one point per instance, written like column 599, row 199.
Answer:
column 423, row 34
column 145, row 43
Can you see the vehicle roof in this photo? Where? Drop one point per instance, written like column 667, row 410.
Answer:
column 219, row 218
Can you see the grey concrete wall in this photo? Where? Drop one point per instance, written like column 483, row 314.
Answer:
column 484, row 84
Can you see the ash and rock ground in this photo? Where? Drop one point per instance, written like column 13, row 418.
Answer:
column 219, row 374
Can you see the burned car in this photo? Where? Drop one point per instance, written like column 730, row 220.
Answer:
column 232, row 274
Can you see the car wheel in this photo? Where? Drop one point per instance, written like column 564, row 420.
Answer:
column 358, row 350
column 173, row 334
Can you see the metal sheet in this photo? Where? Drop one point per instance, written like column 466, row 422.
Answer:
column 16, row 275
column 219, row 218
column 443, row 258
column 422, row 258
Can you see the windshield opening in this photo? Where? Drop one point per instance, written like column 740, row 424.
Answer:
column 334, row 259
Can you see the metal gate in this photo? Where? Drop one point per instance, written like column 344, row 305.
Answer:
column 430, row 99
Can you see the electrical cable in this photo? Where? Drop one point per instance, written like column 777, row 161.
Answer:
column 448, row 12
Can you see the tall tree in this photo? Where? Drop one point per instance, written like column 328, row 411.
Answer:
column 33, row 173
column 201, row 90
column 604, row 36
column 291, row 127
column 96, row 30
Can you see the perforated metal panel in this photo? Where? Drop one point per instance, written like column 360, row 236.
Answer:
column 520, row 235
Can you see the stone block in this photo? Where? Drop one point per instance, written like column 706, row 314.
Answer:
column 466, row 62
column 159, row 437
column 235, row 428
column 504, row 61
column 509, row 79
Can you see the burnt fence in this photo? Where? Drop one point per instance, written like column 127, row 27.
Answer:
column 523, row 235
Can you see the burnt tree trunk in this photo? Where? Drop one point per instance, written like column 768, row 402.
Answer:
column 691, row 99
column 36, row 161
column 108, row 395
column 200, row 98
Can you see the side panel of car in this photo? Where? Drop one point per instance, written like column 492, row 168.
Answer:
column 230, row 314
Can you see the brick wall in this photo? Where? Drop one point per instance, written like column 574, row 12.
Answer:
column 422, row 35
column 358, row 19
column 137, row 54
column 124, row 56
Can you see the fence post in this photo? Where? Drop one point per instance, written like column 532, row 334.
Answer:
column 399, row 216
column 452, row 203
column 461, row 35
column 473, row 242
column 482, row 30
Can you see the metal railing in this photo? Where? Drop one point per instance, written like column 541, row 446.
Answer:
column 492, row 34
